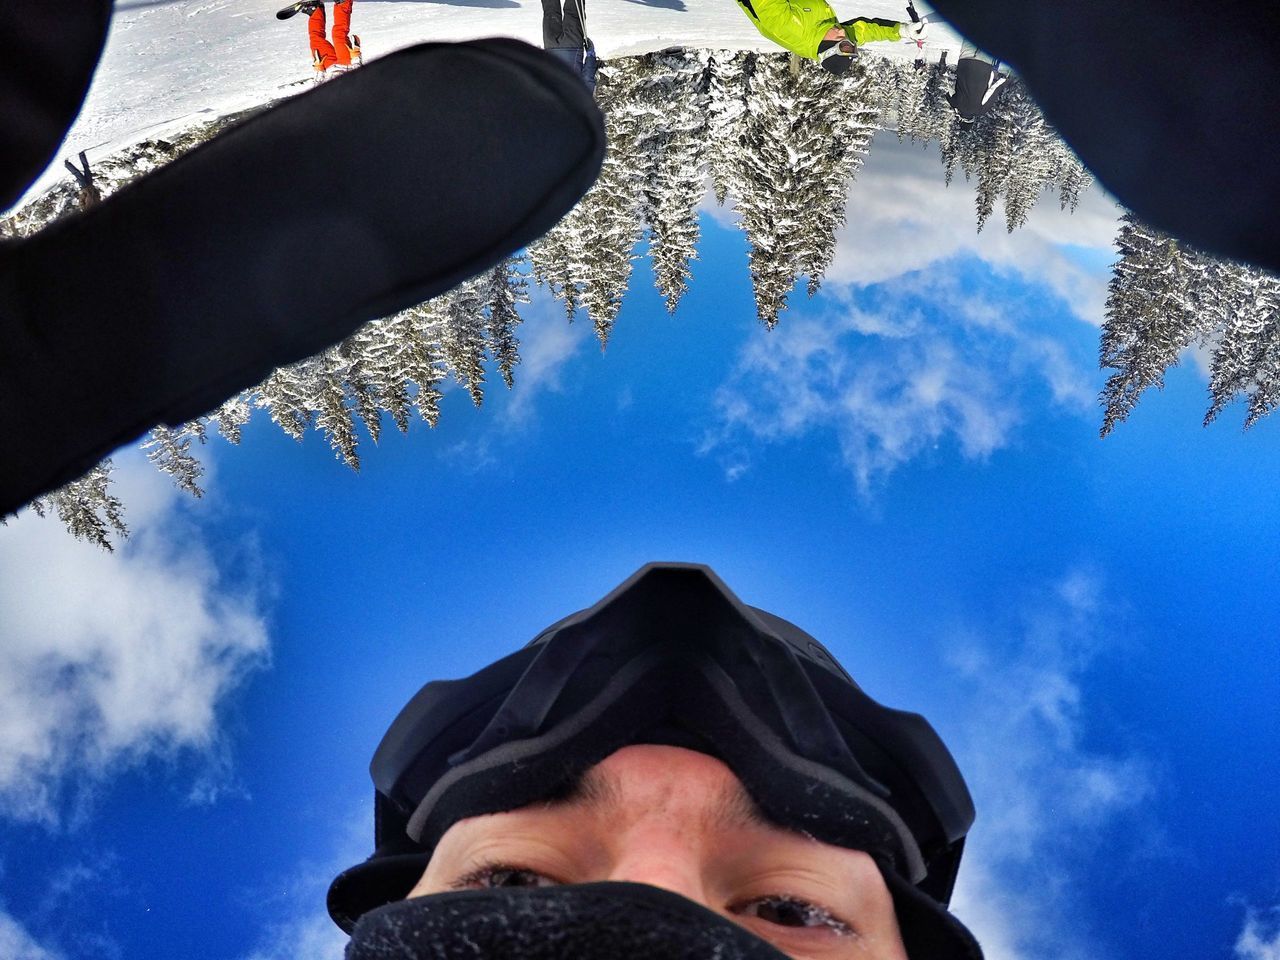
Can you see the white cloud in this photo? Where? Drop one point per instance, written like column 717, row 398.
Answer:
column 1260, row 937
column 310, row 934
column 17, row 944
column 887, row 385
column 547, row 343
column 1045, row 798
column 302, row 927
column 109, row 659
column 902, row 218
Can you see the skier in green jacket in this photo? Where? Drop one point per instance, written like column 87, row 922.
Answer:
column 810, row 29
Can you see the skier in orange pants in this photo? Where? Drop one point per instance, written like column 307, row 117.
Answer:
column 345, row 46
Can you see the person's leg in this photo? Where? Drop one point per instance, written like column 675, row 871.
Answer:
column 572, row 33
column 552, row 24
column 321, row 49
column 342, row 31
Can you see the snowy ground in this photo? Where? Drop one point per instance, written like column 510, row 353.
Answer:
column 170, row 63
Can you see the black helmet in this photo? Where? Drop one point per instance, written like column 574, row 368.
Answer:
column 673, row 657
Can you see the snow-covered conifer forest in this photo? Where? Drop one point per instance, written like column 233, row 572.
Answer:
column 776, row 144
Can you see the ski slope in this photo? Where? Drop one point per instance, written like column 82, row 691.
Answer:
column 171, row 63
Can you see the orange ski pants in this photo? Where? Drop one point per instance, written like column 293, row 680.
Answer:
column 339, row 51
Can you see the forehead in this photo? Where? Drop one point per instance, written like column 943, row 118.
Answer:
column 647, row 777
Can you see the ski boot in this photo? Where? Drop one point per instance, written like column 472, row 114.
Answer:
column 357, row 58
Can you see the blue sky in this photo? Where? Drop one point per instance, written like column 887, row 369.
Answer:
column 908, row 467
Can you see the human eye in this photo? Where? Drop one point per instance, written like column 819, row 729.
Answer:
column 490, row 876
column 792, row 912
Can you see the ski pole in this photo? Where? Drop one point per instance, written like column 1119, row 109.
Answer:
column 915, row 18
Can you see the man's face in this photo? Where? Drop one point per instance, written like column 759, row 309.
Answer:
column 681, row 820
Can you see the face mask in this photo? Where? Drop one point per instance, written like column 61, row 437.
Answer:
column 594, row 921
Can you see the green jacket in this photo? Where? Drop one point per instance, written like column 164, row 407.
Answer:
column 799, row 25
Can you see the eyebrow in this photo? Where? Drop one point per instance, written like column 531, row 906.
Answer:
column 732, row 807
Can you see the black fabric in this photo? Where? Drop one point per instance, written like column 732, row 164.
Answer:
column 563, row 27
column 383, row 878
column 1174, row 106
column 973, row 77
column 277, row 239
column 596, row 921
column 51, row 48
column 928, row 931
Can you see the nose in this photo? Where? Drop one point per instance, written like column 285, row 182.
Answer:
column 663, row 862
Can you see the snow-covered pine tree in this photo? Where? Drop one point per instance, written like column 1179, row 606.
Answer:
column 360, row 384
column 649, row 98
column 392, row 358
column 553, row 257
column 1246, row 360
column 333, row 416
column 802, row 138
column 726, row 113
column 288, row 396
column 1028, row 152
column 587, row 258
column 169, row 451
column 464, row 339
column 504, row 289
column 909, row 102
column 1072, row 177
column 854, row 120
column 430, row 365
column 1152, row 315
column 772, row 166
column 231, row 417
column 936, row 115
column 678, row 181
column 87, row 508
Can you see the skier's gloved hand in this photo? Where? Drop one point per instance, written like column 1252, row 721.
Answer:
column 913, row 31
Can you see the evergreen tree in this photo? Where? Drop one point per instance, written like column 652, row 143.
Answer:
column 461, row 320
column 678, row 180
column 771, row 168
column 333, row 416
column 169, row 450
column 554, row 255
column 288, row 397
column 231, row 417
column 1073, row 178
column 1152, row 315
column 726, row 115
column 360, row 383
column 505, row 288
column 1246, row 362
column 393, row 359
column 432, row 366
column 936, row 115
column 587, row 258
column 848, row 128
column 87, row 508
column 803, row 138
column 909, row 101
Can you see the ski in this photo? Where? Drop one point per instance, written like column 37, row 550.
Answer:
column 291, row 9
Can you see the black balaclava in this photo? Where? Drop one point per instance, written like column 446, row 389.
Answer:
column 592, row 921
